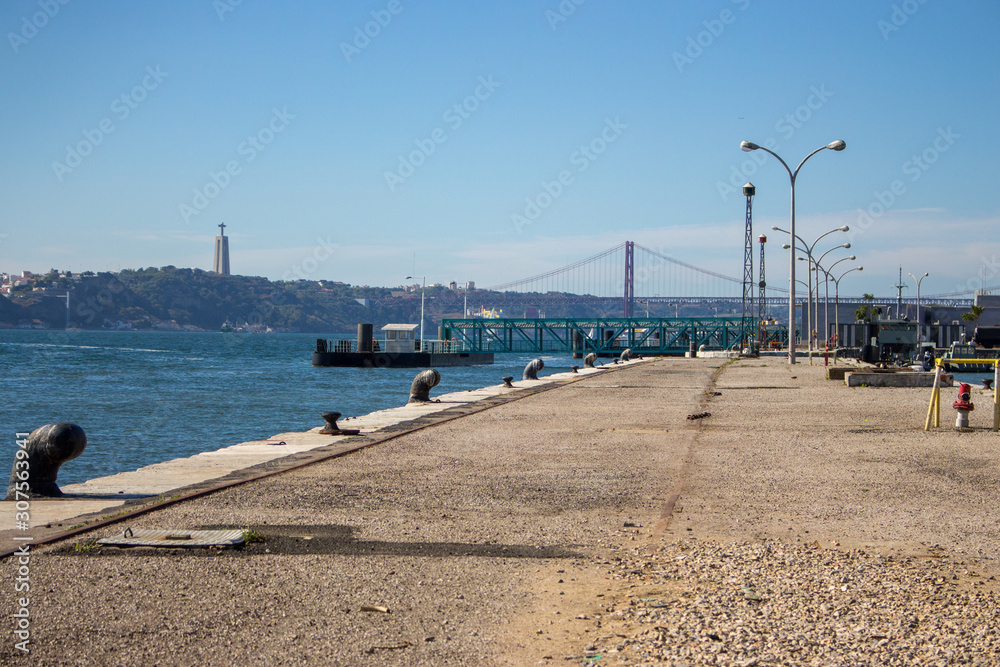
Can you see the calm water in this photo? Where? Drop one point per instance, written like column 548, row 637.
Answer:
column 146, row 397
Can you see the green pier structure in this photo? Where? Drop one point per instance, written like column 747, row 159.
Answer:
column 605, row 336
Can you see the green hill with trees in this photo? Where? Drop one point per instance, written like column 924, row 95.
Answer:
column 148, row 298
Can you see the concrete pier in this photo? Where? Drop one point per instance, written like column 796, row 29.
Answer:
column 497, row 532
column 108, row 495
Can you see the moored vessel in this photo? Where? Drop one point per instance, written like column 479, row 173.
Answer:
column 399, row 348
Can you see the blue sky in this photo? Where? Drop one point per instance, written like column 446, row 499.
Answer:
column 493, row 141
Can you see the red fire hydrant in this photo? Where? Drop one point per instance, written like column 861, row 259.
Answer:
column 963, row 405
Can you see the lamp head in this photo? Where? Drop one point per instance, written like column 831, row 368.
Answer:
column 845, row 228
column 861, row 268
column 748, row 146
column 837, row 145
column 851, row 257
column 846, row 245
column 785, row 246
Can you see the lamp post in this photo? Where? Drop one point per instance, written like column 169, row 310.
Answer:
column 813, row 301
column 813, row 314
column 919, row 280
column 808, row 249
column 826, row 303
column 836, row 284
column 809, row 297
column 748, row 146
column 423, row 285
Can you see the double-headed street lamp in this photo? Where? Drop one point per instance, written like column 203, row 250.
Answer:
column 826, row 285
column 919, row 280
column 808, row 250
column 748, row 146
column 817, row 266
column 423, row 285
column 836, row 284
column 826, row 303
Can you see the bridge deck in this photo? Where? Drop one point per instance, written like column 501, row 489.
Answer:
column 603, row 335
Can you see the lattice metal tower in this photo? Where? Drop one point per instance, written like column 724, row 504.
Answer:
column 629, row 278
column 748, row 190
column 761, row 296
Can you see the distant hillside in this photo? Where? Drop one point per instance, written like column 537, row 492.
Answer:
column 156, row 297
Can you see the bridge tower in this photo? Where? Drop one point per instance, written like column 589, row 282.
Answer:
column 629, row 305
column 749, row 190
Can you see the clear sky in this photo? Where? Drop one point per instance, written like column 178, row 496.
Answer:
column 488, row 141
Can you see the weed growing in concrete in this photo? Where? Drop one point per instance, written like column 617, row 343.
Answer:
column 252, row 536
column 86, row 546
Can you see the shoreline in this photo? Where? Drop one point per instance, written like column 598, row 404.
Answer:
column 150, row 398
column 129, row 492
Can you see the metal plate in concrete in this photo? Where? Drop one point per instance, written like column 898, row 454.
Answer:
column 146, row 537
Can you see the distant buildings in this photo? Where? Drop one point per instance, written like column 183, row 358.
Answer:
column 36, row 282
column 452, row 285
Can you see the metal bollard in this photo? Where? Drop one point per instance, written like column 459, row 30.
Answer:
column 48, row 448
column 420, row 390
column 331, row 427
column 531, row 370
column 508, row 381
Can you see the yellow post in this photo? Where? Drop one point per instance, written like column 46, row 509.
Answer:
column 937, row 403
column 996, row 396
column 935, row 400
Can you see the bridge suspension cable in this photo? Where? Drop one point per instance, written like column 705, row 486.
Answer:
column 610, row 273
column 543, row 277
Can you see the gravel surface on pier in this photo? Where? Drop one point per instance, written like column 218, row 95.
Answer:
column 431, row 549
column 687, row 512
column 777, row 604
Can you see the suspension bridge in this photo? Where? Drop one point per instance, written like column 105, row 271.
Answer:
column 636, row 276
column 641, row 286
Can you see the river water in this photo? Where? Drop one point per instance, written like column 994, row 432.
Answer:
column 146, row 397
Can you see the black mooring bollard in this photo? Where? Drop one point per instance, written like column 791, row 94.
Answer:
column 508, row 381
column 331, row 421
column 331, row 427
column 420, row 390
column 48, row 447
column 531, row 370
